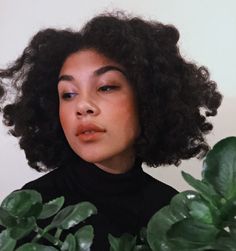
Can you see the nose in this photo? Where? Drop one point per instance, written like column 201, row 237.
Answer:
column 86, row 107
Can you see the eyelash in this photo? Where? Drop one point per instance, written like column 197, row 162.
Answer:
column 104, row 88
column 108, row 88
column 68, row 95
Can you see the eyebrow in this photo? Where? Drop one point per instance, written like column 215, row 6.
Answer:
column 107, row 68
column 66, row 78
column 96, row 73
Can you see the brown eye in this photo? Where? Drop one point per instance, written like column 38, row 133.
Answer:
column 108, row 88
column 68, row 95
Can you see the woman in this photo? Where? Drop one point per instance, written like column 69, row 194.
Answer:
column 94, row 105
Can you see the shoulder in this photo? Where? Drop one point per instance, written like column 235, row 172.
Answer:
column 157, row 191
column 155, row 195
column 158, row 186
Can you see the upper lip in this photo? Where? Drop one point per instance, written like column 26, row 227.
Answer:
column 89, row 127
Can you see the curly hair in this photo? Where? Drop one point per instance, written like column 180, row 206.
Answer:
column 174, row 96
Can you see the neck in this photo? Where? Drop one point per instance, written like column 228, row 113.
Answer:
column 117, row 165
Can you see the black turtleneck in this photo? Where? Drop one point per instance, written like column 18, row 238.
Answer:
column 125, row 202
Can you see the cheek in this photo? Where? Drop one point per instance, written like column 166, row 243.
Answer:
column 65, row 119
column 62, row 116
column 132, row 114
column 126, row 118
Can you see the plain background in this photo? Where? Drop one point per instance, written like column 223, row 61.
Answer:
column 208, row 37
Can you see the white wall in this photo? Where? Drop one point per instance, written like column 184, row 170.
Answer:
column 208, row 35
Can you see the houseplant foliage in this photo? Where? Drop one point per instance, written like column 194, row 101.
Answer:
column 201, row 219
column 20, row 211
column 195, row 220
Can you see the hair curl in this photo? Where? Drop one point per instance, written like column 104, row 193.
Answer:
column 171, row 92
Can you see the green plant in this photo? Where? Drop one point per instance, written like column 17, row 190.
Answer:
column 20, row 211
column 204, row 219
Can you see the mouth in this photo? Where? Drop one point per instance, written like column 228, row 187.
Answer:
column 89, row 132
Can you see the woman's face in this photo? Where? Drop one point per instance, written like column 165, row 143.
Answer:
column 98, row 110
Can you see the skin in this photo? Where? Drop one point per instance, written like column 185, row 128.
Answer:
column 94, row 92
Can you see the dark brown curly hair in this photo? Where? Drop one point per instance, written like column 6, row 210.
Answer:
column 174, row 96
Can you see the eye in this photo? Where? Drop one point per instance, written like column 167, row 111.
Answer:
column 108, row 88
column 68, row 95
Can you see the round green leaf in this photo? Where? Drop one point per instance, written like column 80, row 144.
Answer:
column 157, row 228
column 190, row 230
column 69, row 244
column 35, row 247
column 228, row 210
column 23, row 203
column 180, row 244
column 179, row 204
column 161, row 222
column 23, row 228
column 73, row 215
column 51, row 208
column 224, row 243
column 201, row 211
column 6, row 242
column 220, row 167
column 84, row 238
column 6, row 219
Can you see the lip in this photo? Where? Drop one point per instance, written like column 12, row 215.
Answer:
column 89, row 132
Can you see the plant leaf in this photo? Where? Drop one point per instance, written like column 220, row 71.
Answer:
column 142, row 248
column 72, row 215
column 84, row 238
column 192, row 231
column 201, row 211
column 228, row 210
column 224, row 244
column 23, row 228
column 6, row 242
column 69, row 244
column 6, row 219
column 157, row 227
column 161, row 222
column 232, row 228
column 51, row 208
column 124, row 243
column 179, row 204
column 23, row 203
column 206, row 190
column 220, row 167
column 35, row 247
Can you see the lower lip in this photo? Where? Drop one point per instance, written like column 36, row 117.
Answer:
column 86, row 137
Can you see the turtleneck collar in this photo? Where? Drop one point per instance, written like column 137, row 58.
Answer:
column 94, row 180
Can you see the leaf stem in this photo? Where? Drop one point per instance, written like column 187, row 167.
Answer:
column 58, row 233
column 42, row 234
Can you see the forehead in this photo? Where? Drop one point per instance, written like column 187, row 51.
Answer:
column 88, row 58
column 90, row 64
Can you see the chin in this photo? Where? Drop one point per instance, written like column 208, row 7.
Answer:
column 91, row 159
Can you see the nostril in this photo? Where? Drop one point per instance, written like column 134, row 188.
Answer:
column 90, row 111
column 80, row 113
